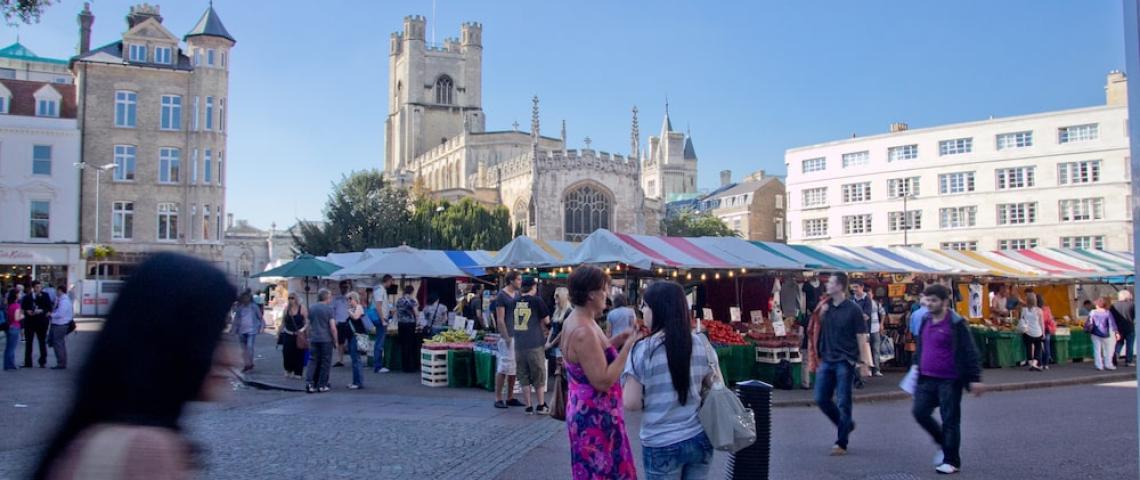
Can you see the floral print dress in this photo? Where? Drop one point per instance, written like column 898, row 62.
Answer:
column 599, row 447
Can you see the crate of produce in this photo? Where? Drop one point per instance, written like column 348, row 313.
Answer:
column 433, row 380
column 432, row 357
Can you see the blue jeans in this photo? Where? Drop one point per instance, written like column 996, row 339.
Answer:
column 357, row 364
column 833, row 384
column 946, row 396
column 687, row 459
column 1128, row 342
column 378, row 349
column 12, row 338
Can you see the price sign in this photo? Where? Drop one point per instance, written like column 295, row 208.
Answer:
column 734, row 313
column 757, row 316
column 707, row 313
column 778, row 327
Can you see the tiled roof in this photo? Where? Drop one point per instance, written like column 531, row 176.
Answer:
column 24, row 100
column 18, row 51
column 690, row 153
column 115, row 49
column 742, row 188
column 210, row 24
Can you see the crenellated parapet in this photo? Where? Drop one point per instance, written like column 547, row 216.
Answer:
column 584, row 159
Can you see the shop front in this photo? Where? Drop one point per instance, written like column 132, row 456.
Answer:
column 21, row 263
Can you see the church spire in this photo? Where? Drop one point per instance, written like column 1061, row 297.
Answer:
column 634, row 136
column 666, row 125
column 534, row 126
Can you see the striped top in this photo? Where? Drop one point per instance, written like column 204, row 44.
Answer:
column 665, row 421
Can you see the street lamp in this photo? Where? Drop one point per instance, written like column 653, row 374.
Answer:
column 99, row 169
column 431, row 216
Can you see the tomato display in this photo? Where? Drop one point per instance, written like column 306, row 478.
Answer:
column 721, row 333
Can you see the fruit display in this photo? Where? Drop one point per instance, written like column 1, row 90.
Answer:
column 450, row 336
column 721, row 333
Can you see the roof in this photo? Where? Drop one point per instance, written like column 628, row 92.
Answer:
column 18, row 51
column 690, row 153
column 210, row 25
column 114, row 50
column 24, row 101
column 667, row 125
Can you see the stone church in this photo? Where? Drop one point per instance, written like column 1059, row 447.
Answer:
column 436, row 134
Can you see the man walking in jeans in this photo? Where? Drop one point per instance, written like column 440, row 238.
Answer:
column 842, row 347
column 947, row 362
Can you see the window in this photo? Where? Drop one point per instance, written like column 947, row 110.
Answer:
column 1017, row 177
column 137, row 52
column 958, row 182
column 218, row 232
column 815, row 165
column 902, row 152
column 1072, row 173
column 444, row 90
column 194, row 166
column 40, row 219
column 1078, row 133
column 3, row 104
column 205, row 222
column 41, row 160
column 588, row 208
column 779, row 228
column 971, row 245
column 169, row 164
column 896, row 223
column 856, row 224
column 1017, row 213
column 856, row 159
column 197, row 56
column 209, row 113
column 221, row 114
column 1087, row 242
column 815, row 197
column 956, row 146
column 857, row 192
column 195, row 115
column 1007, row 141
column 219, row 168
column 47, row 108
column 125, row 105
column 1017, row 244
column 167, row 221
column 124, row 163
column 171, row 112
column 815, row 228
column 8, row 73
column 957, row 217
column 162, row 55
column 122, row 220
column 207, row 168
column 210, row 53
column 779, row 201
column 1081, row 209
column 223, row 53
column 901, row 187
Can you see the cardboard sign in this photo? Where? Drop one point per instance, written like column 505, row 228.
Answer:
column 707, row 314
column 734, row 313
column 757, row 316
column 778, row 327
column 896, row 290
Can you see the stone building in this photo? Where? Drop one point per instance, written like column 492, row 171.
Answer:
column 155, row 107
column 435, row 132
column 753, row 207
column 249, row 249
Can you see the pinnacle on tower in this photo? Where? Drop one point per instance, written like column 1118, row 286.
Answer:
column 666, row 126
column 635, row 136
column 534, row 126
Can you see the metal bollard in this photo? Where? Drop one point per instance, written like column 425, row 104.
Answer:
column 752, row 462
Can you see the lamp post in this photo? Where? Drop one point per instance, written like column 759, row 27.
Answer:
column 98, row 177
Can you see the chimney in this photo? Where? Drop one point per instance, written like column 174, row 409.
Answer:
column 899, row 127
column 229, row 221
column 141, row 12
column 86, row 19
column 1116, row 89
column 725, row 177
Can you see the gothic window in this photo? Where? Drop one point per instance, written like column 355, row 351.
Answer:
column 519, row 213
column 444, row 89
column 588, row 208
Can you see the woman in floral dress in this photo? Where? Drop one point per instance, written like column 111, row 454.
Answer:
column 599, row 447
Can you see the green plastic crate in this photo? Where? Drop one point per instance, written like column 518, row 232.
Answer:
column 485, row 371
column 1061, row 349
column 766, row 372
column 460, row 368
column 1009, row 347
column 1080, row 345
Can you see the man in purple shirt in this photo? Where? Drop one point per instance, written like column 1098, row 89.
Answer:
column 947, row 361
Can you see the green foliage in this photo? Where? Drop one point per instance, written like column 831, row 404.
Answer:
column 366, row 211
column 696, row 224
column 23, row 11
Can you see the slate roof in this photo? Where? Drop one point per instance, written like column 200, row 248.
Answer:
column 115, row 49
column 23, row 101
column 210, row 24
column 690, row 153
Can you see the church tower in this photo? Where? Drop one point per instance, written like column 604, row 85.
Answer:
column 669, row 169
column 435, row 91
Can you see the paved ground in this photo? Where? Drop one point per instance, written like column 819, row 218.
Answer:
column 396, row 428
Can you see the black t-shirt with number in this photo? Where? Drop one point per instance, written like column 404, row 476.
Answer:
column 526, row 326
column 507, row 301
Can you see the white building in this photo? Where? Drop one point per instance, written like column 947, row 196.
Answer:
column 17, row 62
column 39, row 183
column 1054, row 179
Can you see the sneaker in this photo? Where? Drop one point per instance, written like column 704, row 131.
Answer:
column 939, row 458
column 309, row 388
column 514, row 402
column 543, row 410
column 530, row 410
column 1110, row 367
column 354, row 387
column 384, row 370
column 338, row 364
column 323, row 389
column 878, row 374
column 837, row 451
column 946, row 469
column 500, row 404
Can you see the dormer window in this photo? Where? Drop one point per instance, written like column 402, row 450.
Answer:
column 162, row 55
column 137, row 53
column 47, row 102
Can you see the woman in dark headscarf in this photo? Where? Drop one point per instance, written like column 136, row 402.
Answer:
column 157, row 352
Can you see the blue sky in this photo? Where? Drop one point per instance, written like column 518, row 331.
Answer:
column 308, row 85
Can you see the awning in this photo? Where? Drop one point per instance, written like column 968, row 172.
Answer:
column 524, row 252
column 464, row 261
column 404, row 261
column 646, row 252
column 787, row 252
column 836, row 262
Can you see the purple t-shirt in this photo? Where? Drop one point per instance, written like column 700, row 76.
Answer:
column 938, row 350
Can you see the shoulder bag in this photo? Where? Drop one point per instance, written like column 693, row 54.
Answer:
column 558, row 410
column 301, row 337
column 729, row 426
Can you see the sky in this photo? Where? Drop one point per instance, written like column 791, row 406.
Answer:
column 308, row 83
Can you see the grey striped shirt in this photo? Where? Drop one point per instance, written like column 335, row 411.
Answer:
column 665, row 421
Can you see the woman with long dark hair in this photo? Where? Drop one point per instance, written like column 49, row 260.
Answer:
column 599, row 447
column 294, row 337
column 664, row 377
column 157, row 352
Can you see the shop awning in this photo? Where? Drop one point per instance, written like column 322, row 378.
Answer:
column 646, row 252
column 796, row 256
column 524, row 252
column 838, row 263
column 404, row 261
column 465, row 262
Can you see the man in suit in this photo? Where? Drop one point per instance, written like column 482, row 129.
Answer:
column 37, row 305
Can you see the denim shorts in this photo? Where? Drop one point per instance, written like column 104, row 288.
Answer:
column 687, row 459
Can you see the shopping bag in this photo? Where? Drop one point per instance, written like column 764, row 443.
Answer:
column 729, row 425
column 910, row 382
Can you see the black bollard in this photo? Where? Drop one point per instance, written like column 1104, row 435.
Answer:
column 752, row 463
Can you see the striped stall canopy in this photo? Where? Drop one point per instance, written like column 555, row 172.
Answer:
column 794, row 255
column 646, row 252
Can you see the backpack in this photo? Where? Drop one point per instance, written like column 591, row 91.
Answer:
column 783, row 379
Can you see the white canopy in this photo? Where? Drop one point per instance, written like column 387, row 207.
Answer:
column 403, row 261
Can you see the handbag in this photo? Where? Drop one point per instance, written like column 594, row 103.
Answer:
column 729, row 426
column 71, row 326
column 558, row 410
column 302, row 339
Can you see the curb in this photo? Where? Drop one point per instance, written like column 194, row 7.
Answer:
column 262, row 385
column 1001, row 387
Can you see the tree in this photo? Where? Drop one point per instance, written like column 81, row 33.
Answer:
column 696, row 224
column 23, row 11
